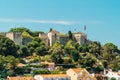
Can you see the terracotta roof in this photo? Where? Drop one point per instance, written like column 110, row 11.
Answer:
column 21, row 65
column 78, row 33
column 54, row 31
column 20, row 78
column 119, row 73
column 55, row 75
column 77, row 70
column 49, row 63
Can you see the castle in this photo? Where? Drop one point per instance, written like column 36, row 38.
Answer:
column 49, row 39
column 53, row 36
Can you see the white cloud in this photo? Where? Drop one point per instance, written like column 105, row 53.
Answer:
column 40, row 21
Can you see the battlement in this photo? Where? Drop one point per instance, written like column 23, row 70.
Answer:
column 48, row 38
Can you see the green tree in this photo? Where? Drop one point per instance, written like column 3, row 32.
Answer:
column 24, row 50
column 57, row 45
column 113, row 78
column 70, row 35
column 69, row 45
column 7, row 46
column 75, row 55
column 11, row 62
column 110, row 48
column 95, row 48
column 20, row 29
column 37, row 46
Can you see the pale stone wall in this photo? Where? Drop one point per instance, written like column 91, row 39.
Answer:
column 81, row 38
column 53, row 37
column 15, row 36
column 44, row 38
column 10, row 35
column 72, row 74
column 3, row 33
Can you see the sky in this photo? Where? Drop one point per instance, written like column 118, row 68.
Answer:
column 101, row 17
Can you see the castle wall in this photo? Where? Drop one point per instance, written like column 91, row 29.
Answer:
column 53, row 37
column 25, row 41
column 81, row 38
column 10, row 35
column 50, row 39
column 3, row 33
column 15, row 36
column 44, row 38
column 64, row 39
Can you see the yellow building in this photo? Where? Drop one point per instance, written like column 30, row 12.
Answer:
column 79, row 74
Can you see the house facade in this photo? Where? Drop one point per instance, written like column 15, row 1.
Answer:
column 79, row 74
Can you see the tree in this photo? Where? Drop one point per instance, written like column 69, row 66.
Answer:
column 113, row 78
column 57, row 45
column 95, row 48
column 11, row 62
column 110, row 48
column 70, row 35
column 37, row 46
column 7, row 46
column 57, row 55
column 75, row 55
column 69, row 45
column 24, row 50
column 26, row 35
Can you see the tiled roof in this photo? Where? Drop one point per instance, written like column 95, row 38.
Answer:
column 79, row 33
column 21, row 65
column 77, row 70
column 20, row 78
column 54, row 31
column 55, row 75
column 49, row 63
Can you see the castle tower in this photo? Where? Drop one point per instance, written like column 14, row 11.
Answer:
column 15, row 36
column 80, row 38
column 53, row 36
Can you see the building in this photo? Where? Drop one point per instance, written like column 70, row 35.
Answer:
column 79, row 74
column 80, row 38
column 19, row 78
column 52, row 77
column 54, row 36
column 50, row 65
column 49, row 39
column 109, row 74
column 15, row 36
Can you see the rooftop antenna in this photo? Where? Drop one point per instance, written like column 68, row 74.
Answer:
column 85, row 28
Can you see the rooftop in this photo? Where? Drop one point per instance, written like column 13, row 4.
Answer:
column 77, row 70
column 55, row 75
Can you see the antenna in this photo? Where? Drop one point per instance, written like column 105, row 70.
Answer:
column 85, row 28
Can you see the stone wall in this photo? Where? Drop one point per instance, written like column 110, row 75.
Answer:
column 44, row 38
column 15, row 36
column 25, row 41
column 3, row 33
column 64, row 39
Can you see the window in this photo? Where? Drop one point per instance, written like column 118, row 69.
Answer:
column 55, row 35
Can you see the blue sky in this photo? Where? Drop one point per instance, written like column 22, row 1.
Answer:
column 101, row 17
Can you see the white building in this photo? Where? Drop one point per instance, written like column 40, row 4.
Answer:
column 110, row 74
